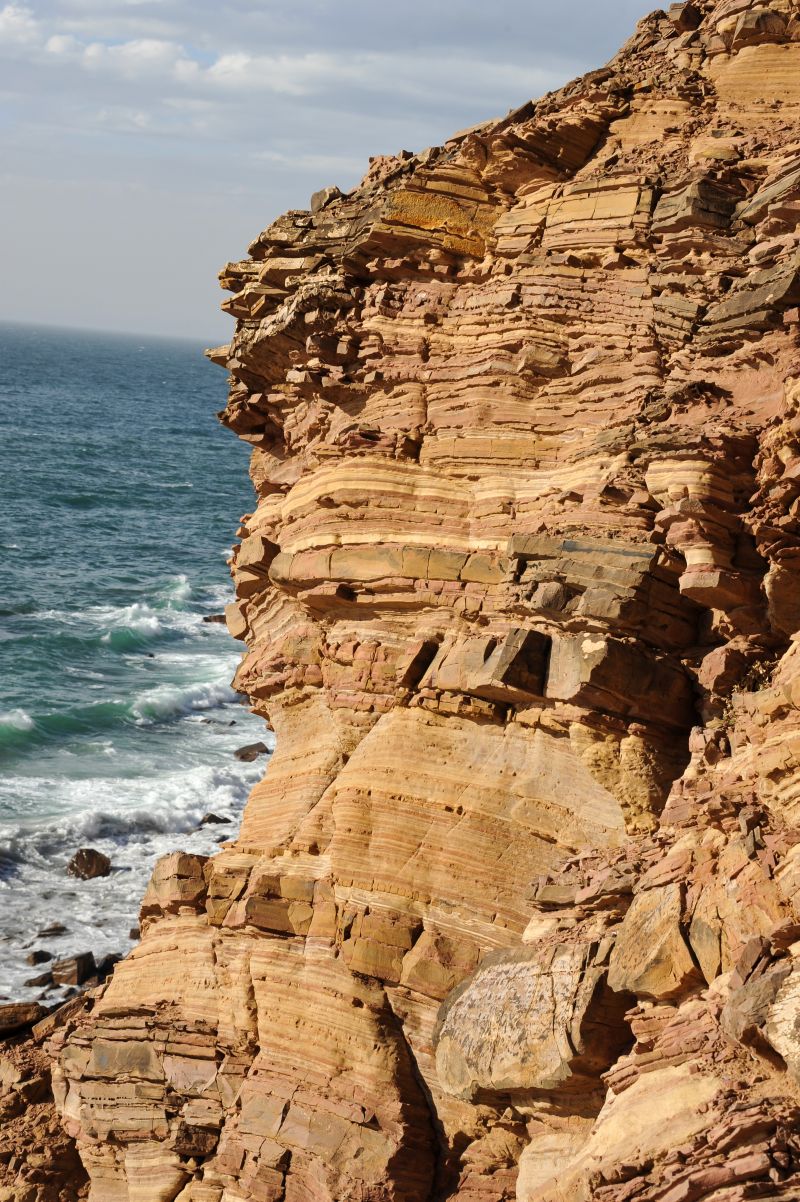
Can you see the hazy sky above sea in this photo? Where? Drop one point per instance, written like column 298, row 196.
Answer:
column 144, row 142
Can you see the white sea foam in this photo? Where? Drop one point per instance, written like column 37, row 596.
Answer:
column 16, row 719
column 133, row 821
column 179, row 589
column 170, row 700
column 137, row 617
column 165, row 613
column 53, row 615
column 220, row 595
column 140, row 618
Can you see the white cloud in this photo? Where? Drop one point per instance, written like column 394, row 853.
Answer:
column 111, row 27
column 18, row 25
column 201, row 120
column 317, row 163
column 125, row 120
column 63, row 45
column 414, row 76
column 295, row 75
column 135, row 59
column 338, row 77
column 190, row 104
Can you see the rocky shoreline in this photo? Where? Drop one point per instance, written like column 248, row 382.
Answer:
column 61, row 973
column 38, row 1160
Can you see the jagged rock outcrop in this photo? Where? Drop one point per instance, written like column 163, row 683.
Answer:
column 38, row 1160
column 513, row 913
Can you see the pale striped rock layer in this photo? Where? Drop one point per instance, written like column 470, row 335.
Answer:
column 514, row 912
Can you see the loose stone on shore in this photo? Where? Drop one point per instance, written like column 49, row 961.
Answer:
column 53, row 931
column 213, row 820
column 39, row 956
column 251, row 751
column 17, row 1016
column 74, row 970
column 88, row 863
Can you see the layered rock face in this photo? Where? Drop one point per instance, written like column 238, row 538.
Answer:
column 513, row 913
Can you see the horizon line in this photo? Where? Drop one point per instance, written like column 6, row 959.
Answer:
column 69, row 329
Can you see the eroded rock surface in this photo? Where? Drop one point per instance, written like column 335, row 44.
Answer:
column 513, row 913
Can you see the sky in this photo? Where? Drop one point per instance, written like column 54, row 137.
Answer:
column 143, row 143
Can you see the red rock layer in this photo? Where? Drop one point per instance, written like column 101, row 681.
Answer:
column 38, row 1160
column 513, row 913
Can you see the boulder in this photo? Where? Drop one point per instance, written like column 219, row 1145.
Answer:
column 507, row 1028
column 684, row 16
column 748, row 1008
column 88, row 863
column 106, row 966
column 53, row 931
column 178, row 880
column 781, row 1025
column 18, row 1016
column 74, row 970
column 43, row 978
column 38, row 956
column 757, row 26
column 651, row 957
column 250, row 752
column 325, row 196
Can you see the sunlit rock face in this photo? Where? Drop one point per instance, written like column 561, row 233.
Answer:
column 513, row 913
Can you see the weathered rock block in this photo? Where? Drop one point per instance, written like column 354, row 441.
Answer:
column 530, row 1020
column 651, row 957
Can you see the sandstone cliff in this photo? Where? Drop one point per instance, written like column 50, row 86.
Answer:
column 514, row 912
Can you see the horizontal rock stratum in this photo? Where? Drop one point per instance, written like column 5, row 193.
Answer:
column 514, row 912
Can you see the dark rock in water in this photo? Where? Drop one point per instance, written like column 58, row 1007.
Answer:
column 19, row 1015
column 251, row 752
column 220, row 618
column 106, row 965
column 44, row 978
column 39, row 956
column 51, row 932
column 87, row 863
column 213, row 820
column 134, row 933
column 75, row 969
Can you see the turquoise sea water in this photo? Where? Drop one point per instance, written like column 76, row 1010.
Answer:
column 120, row 493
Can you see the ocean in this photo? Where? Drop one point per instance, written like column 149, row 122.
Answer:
column 119, row 499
